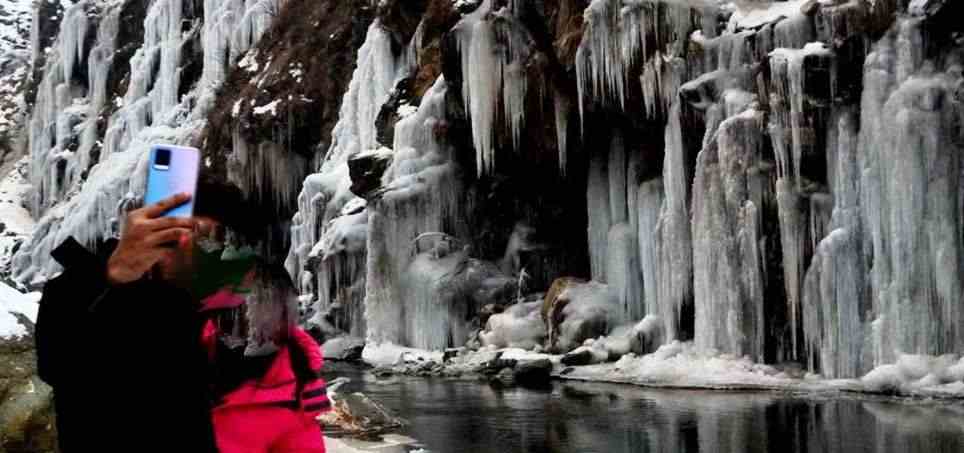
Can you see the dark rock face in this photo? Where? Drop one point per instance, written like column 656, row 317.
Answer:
column 48, row 17
column 366, row 172
column 305, row 61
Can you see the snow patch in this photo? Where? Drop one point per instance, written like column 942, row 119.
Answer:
column 13, row 302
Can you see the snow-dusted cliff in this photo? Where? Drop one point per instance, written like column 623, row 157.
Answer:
column 779, row 180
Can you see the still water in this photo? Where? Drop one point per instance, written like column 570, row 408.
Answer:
column 468, row 416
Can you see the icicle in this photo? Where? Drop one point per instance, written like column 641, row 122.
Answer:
column 404, row 300
column 151, row 112
column 73, row 37
column 727, row 261
column 328, row 241
column 621, row 35
column 494, row 53
column 599, row 216
column 562, row 111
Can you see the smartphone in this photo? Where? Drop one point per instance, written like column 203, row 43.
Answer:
column 173, row 170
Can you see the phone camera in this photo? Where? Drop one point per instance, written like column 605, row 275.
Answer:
column 162, row 158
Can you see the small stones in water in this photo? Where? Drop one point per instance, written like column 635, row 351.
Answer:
column 383, row 372
column 504, row 378
column 451, row 353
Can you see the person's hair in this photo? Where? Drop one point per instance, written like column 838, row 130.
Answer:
column 226, row 203
column 276, row 277
column 271, row 315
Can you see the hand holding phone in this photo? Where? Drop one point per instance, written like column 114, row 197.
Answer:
column 146, row 238
column 166, row 218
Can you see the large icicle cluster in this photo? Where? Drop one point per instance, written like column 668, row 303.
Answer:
column 770, row 180
column 330, row 230
column 77, row 194
column 495, row 50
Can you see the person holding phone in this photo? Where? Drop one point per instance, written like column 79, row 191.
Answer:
column 118, row 331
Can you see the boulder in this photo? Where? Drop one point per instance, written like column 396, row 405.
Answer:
column 504, row 378
column 533, row 373
column 343, row 348
column 519, row 326
column 26, row 403
column 366, row 170
column 580, row 356
column 575, row 310
column 357, row 414
column 552, row 307
column 451, row 353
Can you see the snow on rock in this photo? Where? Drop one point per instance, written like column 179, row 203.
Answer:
column 271, row 107
column 17, row 222
column 389, row 354
column 685, row 365
column 519, row 326
column 580, row 311
column 751, row 14
column 15, row 307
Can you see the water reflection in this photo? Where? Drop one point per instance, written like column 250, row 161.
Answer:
column 454, row 416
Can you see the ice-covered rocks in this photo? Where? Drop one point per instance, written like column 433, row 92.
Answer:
column 575, row 311
column 343, row 348
column 519, row 326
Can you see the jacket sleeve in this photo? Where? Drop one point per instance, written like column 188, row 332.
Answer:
column 68, row 308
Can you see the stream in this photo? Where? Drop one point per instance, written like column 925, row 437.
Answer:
column 470, row 416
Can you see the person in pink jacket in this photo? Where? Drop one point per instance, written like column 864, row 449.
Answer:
column 265, row 369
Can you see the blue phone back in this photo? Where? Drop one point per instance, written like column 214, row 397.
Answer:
column 180, row 176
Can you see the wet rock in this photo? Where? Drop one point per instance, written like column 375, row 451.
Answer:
column 357, row 414
column 451, row 353
column 495, row 364
column 581, row 356
column 366, row 170
column 391, row 111
column 383, row 372
column 504, row 378
column 534, row 373
column 552, row 307
column 343, row 348
column 575, row 311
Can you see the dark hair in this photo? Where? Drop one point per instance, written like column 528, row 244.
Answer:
column 226, row 203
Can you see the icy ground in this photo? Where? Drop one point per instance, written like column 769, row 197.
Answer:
column 16, row 224
column 683, row 365
column 13, row 305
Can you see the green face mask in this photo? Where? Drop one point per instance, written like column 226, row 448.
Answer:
column 217, row 268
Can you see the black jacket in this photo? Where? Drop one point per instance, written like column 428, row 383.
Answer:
column 125, row 362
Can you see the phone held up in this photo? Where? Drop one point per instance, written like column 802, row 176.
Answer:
column 173, row 170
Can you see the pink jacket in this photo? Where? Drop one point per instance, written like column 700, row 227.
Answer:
column 263, row 417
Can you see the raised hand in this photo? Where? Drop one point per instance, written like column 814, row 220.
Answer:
column 147, row 238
